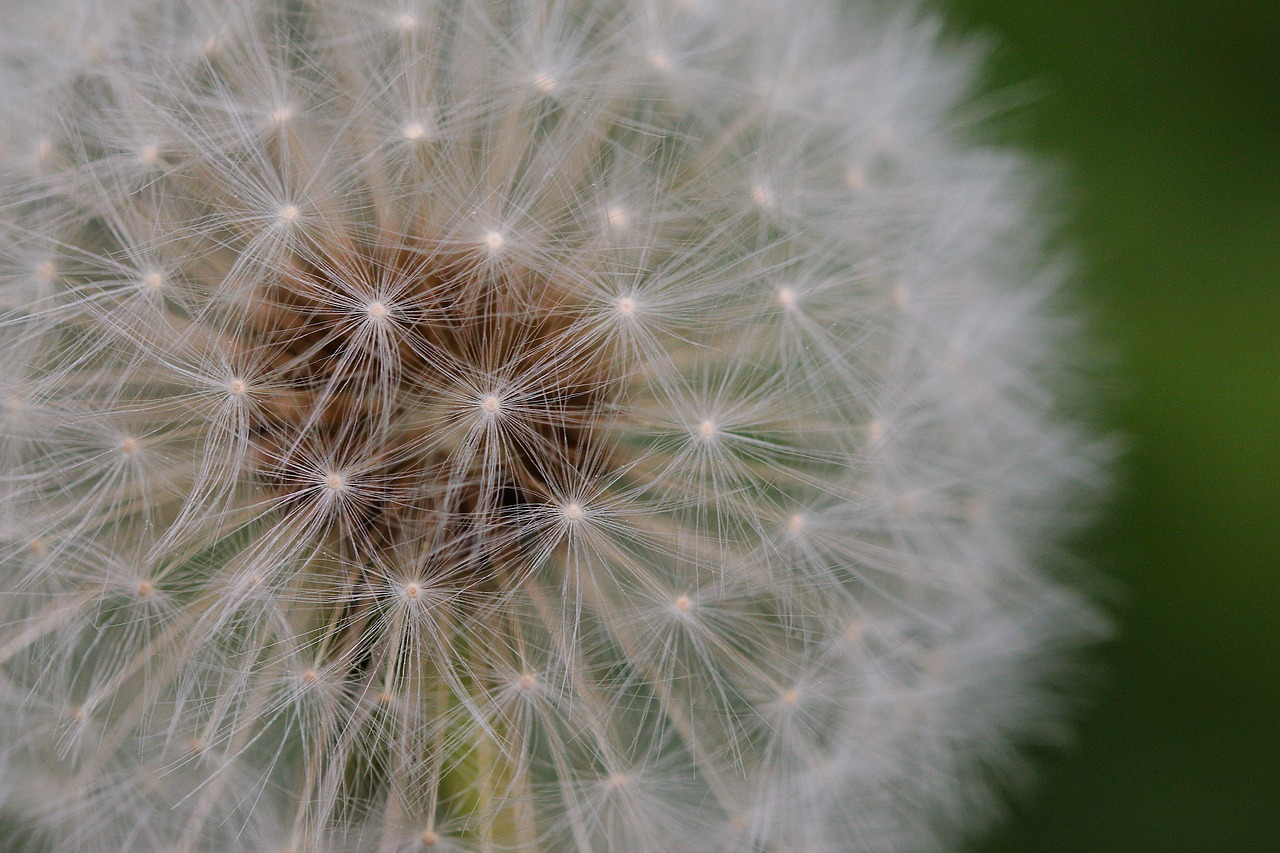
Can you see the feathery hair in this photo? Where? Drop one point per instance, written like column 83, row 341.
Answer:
column 442, row 425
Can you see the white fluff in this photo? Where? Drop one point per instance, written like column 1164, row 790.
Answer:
column 596, row 425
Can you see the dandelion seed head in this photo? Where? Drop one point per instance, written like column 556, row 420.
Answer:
column 567, row 426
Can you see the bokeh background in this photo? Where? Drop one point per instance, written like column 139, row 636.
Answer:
column 1166, row 116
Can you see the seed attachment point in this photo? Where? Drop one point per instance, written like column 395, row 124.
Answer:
column 618, row 216
column 405, row 22
column 414, row 131
column 546, row 83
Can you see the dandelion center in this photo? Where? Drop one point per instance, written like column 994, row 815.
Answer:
column 388, row 405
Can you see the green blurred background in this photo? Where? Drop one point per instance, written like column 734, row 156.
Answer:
column 1166, row 116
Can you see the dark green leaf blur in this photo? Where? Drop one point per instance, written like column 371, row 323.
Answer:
column 1166, row 117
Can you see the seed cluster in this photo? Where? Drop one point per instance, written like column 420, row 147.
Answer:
column 441, row 396
column 519, row 425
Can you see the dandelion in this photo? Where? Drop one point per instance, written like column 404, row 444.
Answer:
column 544, row 425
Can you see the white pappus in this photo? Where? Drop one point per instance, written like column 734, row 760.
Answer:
column 540, row 425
